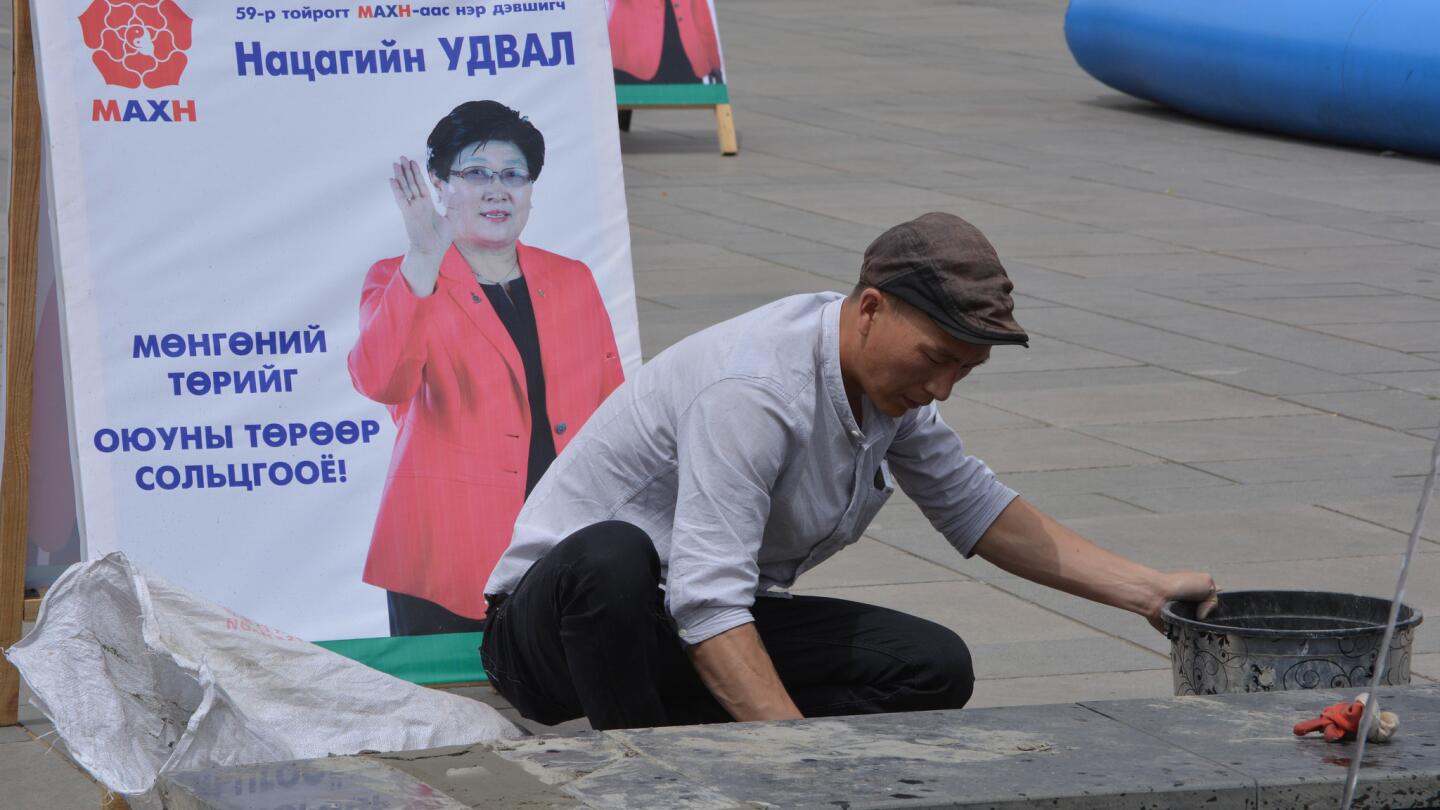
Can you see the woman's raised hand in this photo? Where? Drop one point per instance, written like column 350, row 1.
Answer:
column 429, row 232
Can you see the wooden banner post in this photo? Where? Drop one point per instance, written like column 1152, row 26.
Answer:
column 630, row 97
column 25, row 149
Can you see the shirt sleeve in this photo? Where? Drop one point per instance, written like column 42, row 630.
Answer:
column 388, row 359
column 958, row 494
column 731, row 443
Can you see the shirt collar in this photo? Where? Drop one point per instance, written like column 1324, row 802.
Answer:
column 830, row 369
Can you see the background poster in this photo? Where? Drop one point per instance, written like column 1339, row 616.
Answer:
column 666, row 52
column 221, row 185
column 52, row 540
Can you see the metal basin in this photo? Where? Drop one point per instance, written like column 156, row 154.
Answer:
column 1267, row 641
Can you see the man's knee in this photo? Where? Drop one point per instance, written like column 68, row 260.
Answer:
column 612, row 555
column 948, row 675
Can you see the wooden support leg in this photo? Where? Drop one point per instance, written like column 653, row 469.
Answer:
column 625, row 115
column 725, row 128
column 20, row 353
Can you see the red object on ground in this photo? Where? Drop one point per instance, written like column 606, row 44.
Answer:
column 1339, row 722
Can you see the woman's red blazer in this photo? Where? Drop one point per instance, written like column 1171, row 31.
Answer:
column 637, row 31
column 454, row 384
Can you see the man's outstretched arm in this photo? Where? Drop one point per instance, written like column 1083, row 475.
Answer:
column 1029, row 543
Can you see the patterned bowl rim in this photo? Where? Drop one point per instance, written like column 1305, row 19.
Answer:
column 1175, row 622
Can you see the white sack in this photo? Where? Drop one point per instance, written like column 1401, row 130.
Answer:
column 142, row 678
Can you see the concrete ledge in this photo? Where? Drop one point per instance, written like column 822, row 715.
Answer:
column 1233, row 751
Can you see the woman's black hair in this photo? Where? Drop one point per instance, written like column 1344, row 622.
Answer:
column 484, row 122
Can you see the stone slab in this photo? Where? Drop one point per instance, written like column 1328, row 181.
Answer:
column 1184, row 399
column 1016, row 659
column 1232, row 751
column 968, row 608
column 1252, row 734
column 1260, row 438
column 869, row 562
column 1149, row 684
column 1019, row 757
column 1317, row 468
column 32, row 774
column 341, row 782
column 1051, row 448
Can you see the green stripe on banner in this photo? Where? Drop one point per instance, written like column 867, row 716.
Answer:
column 441, row 658
column 639, row 95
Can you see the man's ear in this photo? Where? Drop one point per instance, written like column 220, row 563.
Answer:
column 871, row 302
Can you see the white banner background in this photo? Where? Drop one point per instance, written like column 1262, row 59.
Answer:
column 264, row 214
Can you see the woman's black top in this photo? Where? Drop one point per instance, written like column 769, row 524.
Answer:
column 674, row 64
column 512, row 304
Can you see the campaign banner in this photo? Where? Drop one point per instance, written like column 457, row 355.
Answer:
column 666, row 52
column 52, row 537
column 336, row 283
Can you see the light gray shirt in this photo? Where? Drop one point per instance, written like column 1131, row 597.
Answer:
column 736, row 451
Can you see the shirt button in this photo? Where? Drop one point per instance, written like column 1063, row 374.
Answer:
column 560, row 428
column 684, row 633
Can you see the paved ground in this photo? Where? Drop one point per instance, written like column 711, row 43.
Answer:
column 1235, row 361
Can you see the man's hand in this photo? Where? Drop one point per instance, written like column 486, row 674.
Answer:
column 1186, row 586
column 1029, row 543
column 739, row 673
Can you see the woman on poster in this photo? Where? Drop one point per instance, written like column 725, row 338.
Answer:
column 664, row 42
column 489, row 353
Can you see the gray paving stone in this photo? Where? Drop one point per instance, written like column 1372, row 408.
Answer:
column 1166, row 261
column 1420, row 382
column 14, row 734
column 1197, row 540
column 1066, row 507
column 1394, row 510
column 1023, row 659
column 1157, row 476
column 1172, row 401
column 1394, row 409
column 1312, row 468
column 1048, row 354
column 869, row 562
column 1352, row 260
column 1299, row 288
column 1135, row 685
column 1342, row 310
column 968, row 608
column 1260, row 438
column 966, row 415
column 1262, row 496
column 34, row 775
column 1297, row 345
column 1238, row 236
column 1403, row 337
column 1036, row 449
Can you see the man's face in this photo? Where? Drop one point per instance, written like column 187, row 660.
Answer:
column 906, row 361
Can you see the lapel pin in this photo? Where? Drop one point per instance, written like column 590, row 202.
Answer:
column 474, row 297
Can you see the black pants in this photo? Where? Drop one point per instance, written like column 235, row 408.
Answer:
column 586, row 633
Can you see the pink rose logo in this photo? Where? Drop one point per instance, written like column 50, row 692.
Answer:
column 137, row 41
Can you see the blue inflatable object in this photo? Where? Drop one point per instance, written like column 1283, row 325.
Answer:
column 1355, row 71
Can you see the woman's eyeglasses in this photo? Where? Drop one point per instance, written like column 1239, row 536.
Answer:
column 481, row 176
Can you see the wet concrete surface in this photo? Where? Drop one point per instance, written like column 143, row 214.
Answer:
column 1232, row 751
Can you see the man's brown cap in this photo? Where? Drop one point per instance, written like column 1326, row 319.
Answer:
column 943, row 266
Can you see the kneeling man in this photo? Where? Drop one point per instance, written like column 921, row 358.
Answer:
column 644, row 584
